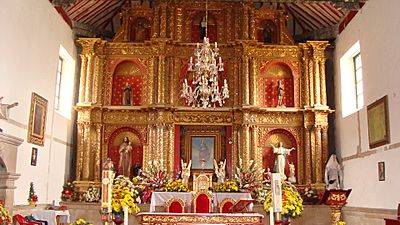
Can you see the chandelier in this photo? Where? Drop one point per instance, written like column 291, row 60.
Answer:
column 204, row 90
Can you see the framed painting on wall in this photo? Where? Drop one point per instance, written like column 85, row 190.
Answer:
column 34, row 156
column 202, row 149
column 378, row 123
column 37, row 120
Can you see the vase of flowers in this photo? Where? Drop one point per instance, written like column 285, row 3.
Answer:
column 248, row 178
column 292, row 203
column 123, row 194
column 68, row 191
column 32, row 198
column 81, row 221
column 5, row 217
column 227, row 186
column 175, row 186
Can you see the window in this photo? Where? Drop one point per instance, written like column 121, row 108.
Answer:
column 58, row 83
column 352, row 90
column 358, row 81
column 64, row 83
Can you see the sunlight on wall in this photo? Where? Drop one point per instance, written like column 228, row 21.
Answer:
column 347, row 75
column 67, row 83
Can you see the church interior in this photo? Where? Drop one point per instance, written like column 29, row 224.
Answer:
column 194, row 96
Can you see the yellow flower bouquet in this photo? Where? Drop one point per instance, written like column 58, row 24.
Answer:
column 123, row 194
column 81, row 221
column 5, row 217
column 292, row 203
column 227, row 186
column 175, row 186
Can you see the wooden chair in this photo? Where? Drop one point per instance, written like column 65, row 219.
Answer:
column 202, row 202
column 19, row 219
column 175, row 205
column 226, row 205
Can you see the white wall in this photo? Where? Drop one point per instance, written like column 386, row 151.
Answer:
column 376, row 26
column 31, row 35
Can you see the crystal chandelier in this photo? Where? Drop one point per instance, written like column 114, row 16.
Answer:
column 205, row 90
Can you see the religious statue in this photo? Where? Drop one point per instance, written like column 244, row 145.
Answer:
column 186, row 172
column 280, row 161
column 280, row 93
column 125, row 157
column 4, row 109
column 292, row 175
column 220, row 170
column 127, row 95
column 333, row 174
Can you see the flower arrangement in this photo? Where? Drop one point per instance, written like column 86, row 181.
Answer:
column 80, row 221
column 123, row 194
column 32, row 198
column 248, row 178
column 68, row 191
column 292, row 203
column 176, row 186
column 92, row 194
column 5, row 217
column 261, row 192
column 227, row 186
column 154, row 177
column 342, row 223
column 309, row 195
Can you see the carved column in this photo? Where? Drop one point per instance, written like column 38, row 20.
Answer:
column 97, row 152
column 308, row 156
column 153, row 68
column 89, row 78
column 306, row 78
column 252, row 24
column 179, row 24
column 163, row 21
column 246, row 144
column 229, row 35
column 317, row 83
column 160, row 79
column 156, row 26
column 253, row 82
column 170, row 147
column 245, row 27
column 79, row 150
column 318, row 155
column 245, row 84
column 98, row 80
column 86, row 152
column 323, row 81
column 255, row 153
column 160, row 145
column 325, row 146
column 82, row 83
column 311, row 82
column 236, row 152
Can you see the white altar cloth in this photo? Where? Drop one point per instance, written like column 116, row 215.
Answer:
column 160, row 198
column 51, row 216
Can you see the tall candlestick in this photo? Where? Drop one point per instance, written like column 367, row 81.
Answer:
column 271, row 216
column 125, row 215
column 215, row 44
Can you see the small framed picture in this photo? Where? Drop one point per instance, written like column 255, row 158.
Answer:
column 34, row 156
column 381, row 171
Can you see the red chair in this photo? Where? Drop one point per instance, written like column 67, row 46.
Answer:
column 19, row 219
column 201, row 202
column 226, row 205
column 175, row 205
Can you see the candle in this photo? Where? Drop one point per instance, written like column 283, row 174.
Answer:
column 215, row 44
column 125, row 215
column 220, row 60
column 191, row 60
column 271, row 216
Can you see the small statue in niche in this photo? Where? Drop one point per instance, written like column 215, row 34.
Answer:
column 268, row 32
column 202, row 28
column 127, row 95
column 292, row 170
column 140, row 32
column 125, row 157
column 268, row 175
column 333, row 174
column 280, row 93
column 5, row 109
column 280, row 161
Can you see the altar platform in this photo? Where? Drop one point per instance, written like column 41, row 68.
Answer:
column 152, row 218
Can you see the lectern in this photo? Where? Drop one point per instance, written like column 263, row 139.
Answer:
column 336, row 199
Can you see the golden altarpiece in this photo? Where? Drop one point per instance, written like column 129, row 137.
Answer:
column 146, row 63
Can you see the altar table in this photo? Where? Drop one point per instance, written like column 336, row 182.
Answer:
column 53, row 217
column 200, row 218
column 160, row 198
